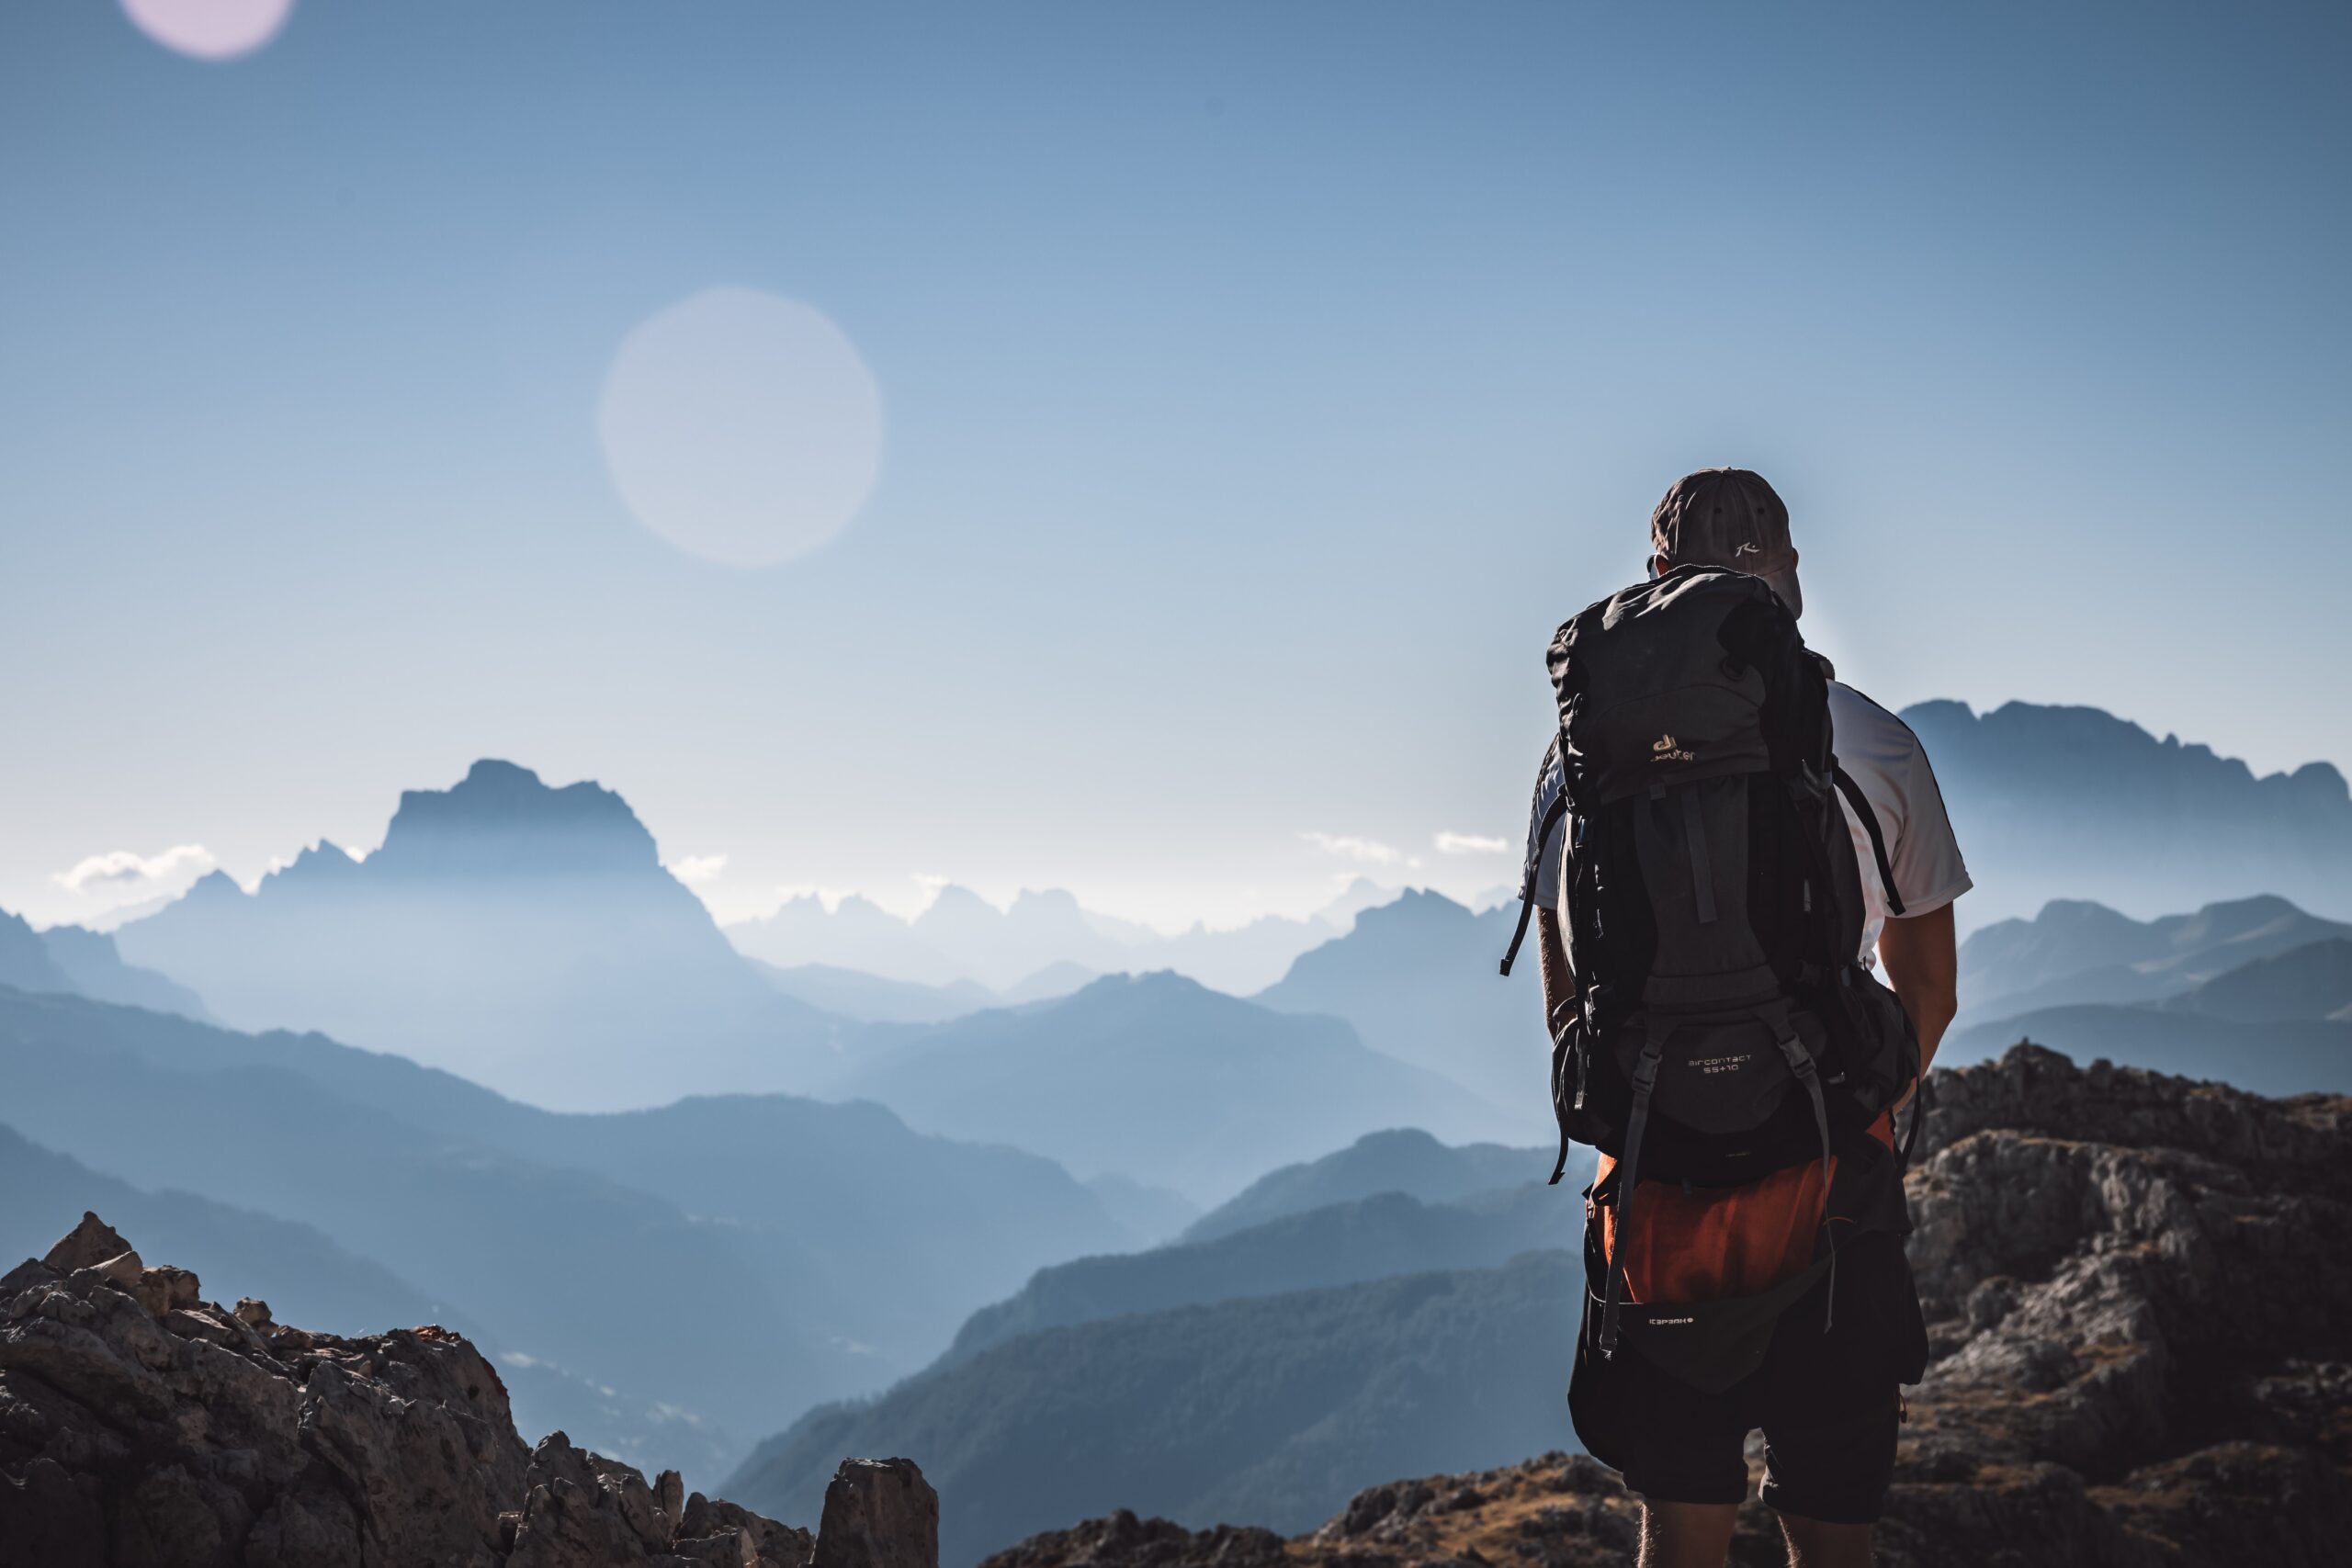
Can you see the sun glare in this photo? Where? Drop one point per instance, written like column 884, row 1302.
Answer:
column 209, row 29
column 742, row 426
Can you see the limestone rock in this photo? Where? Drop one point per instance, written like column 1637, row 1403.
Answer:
column 879, row 1512
column 92, row 1241
column 140, row 1425
column 160, row 1291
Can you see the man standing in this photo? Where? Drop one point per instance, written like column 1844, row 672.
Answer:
column 1825, row 1391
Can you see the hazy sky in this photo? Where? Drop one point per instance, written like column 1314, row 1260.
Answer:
column 1225, row 401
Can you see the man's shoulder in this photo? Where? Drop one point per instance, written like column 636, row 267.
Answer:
column 1856, row 717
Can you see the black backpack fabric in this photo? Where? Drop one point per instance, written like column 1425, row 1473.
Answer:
column 1712, row 898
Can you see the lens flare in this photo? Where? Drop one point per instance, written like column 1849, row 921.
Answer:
column 209, row 29
column 742, row 426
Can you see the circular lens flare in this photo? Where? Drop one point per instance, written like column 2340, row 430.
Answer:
column 742, row 426
column 209, row 29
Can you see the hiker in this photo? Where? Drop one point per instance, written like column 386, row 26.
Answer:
column 1719, row 1025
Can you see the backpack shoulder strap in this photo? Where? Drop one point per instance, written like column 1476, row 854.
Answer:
column 1558, row 808
column 1869, row 818
column 1544, row 828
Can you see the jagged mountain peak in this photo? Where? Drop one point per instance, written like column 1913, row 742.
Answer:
column 504, row 818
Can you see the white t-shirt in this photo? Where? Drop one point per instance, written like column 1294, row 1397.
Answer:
column 1889, row 764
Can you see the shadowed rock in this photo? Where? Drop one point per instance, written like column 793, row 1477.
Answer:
column 879, row 1512
column 142, row 1424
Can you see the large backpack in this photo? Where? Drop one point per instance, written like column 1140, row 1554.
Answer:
column 1710, row 898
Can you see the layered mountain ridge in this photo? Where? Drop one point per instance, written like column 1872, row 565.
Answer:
column 2069, row 802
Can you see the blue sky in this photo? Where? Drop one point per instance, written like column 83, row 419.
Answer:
column 1259, row 387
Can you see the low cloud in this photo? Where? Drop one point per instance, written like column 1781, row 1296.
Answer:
column 124, row 874
column 1364, row 852
column 696, row 870
column 1471, row 844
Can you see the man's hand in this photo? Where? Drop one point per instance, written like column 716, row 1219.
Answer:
column 1923, row 965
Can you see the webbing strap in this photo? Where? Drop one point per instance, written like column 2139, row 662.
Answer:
column 1563, row 1048
column 1919, row 1118
column 1801, row 1063
column 1628, row 1173
column 1861, row 805
column 1552, row 815
column 1703, row 875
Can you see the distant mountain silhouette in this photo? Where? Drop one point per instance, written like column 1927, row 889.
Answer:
column 1365, row 1238
column 2280, row 1024
column 71, row 960
column 870, row 999
column 524, row 935
column 1417, row 979
column 296, row 1267
column 561, row 1263
column 1153, row 1214
column 2075, row 803
column 2311, row 982
column 2075, row 951
column 1158, row 1078
column 25, row 961
column 831, row 1249
column 1405, row 1160
column 1045, row 938
column 1271, row 1409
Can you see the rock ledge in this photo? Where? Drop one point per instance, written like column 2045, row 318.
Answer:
column 141, row 1425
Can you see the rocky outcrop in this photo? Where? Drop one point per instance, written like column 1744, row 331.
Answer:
column 141, row 1425
column 2138, row 1291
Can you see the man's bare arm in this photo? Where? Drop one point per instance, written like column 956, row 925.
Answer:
column 1559, row 983
column 1923, row 965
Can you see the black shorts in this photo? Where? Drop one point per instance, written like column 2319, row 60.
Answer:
column 1828, row 1402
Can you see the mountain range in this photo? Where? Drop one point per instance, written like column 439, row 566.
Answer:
column 1157, row 1077
column 819, row 1248
column 1046, row 936
column 1265, row 1408
column 525, row 935
column 1417, row 979
column 1397, row 1250
column 1405, row 1160
column 2253, row 992
column 2076, row 951
column 2076, row 803
column 70, row 960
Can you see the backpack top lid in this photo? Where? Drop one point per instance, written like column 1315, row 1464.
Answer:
column 1692, row 675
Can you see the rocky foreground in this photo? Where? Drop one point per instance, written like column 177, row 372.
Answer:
column 143, row 1427
column 2139, row 1290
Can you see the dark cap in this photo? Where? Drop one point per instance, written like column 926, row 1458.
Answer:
column 1728, row 517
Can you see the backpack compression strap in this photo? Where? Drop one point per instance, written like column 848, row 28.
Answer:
column 1629, row 1173
column 1800, row 1062
column 1861, row 805
column 1918, row 1119
column 1552, row 815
